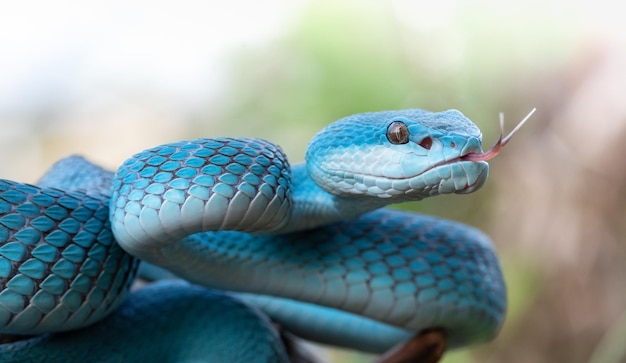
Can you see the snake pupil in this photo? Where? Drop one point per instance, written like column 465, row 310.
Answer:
column 398, row 133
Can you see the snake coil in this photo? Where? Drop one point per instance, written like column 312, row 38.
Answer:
column 310, row 245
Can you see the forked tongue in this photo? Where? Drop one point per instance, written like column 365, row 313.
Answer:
column 499, row 145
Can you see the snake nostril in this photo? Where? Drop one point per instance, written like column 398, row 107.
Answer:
column 426, row 142
column 452, row 144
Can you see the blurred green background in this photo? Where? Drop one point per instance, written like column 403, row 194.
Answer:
column 107, row 79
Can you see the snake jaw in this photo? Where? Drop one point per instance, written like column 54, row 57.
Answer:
column 412, row 175
column 463, row 176
column 478, row 182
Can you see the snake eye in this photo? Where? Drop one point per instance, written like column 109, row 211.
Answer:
column 398, row 133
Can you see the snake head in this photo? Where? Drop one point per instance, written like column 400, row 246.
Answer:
column 398, row 155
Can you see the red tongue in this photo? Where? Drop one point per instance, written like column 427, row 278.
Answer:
column 499, row 145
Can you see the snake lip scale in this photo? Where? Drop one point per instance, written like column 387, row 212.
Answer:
column 310, row 245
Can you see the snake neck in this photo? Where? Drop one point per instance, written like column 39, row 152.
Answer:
column 313, row 207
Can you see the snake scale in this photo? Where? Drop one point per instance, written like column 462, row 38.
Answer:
column 311, row 246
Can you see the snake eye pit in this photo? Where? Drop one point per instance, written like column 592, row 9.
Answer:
column 427, row 143
column 398, row 133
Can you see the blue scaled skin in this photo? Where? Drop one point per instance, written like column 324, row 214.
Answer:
column 311, row 245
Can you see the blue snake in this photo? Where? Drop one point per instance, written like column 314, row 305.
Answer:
column 310, row 246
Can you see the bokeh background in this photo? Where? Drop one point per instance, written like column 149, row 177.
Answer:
column 106, row 79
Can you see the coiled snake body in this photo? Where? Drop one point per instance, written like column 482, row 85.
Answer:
column 309, row 245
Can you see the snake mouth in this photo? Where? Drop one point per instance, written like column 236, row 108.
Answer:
column 468, row 154
column 458, row 159
column 474, row 154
